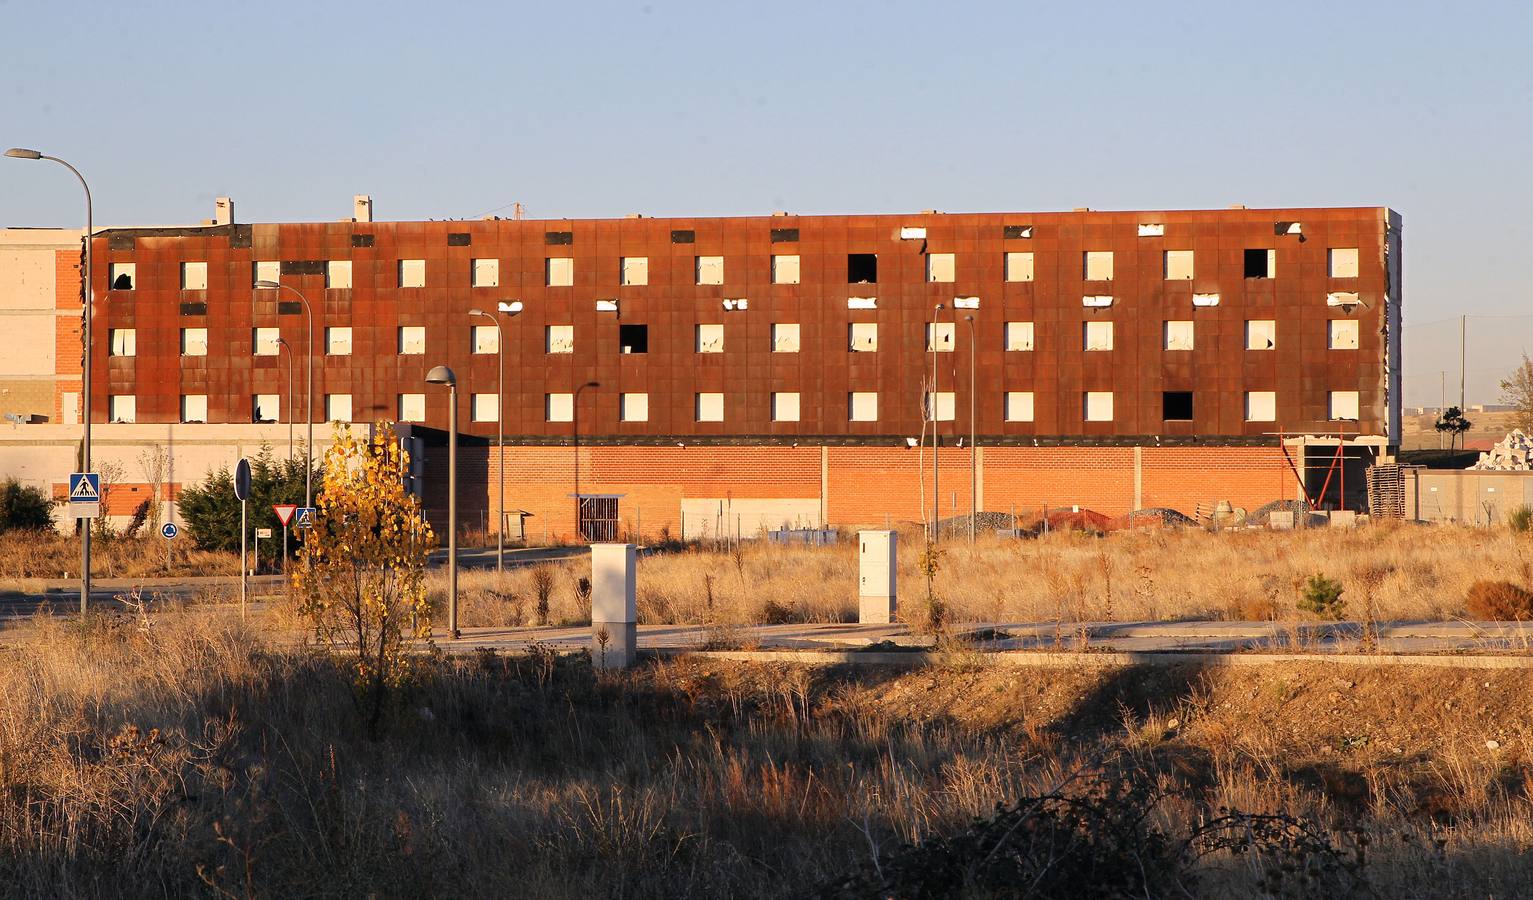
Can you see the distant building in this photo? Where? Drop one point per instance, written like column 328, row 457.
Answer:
column 759, row 371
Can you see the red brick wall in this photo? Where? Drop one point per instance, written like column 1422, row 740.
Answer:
column 869, row 486
column 68, row 340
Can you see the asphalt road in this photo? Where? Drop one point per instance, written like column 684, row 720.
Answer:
column 23, row 597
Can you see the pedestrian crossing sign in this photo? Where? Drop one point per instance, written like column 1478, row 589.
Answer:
column 84, row 487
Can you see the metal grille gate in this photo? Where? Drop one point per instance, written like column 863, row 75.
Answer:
column 598, row 519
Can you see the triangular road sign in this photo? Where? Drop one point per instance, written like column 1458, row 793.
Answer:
column 284, row 512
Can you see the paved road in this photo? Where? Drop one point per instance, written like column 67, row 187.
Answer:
column 23, row 596
column 1129, row 637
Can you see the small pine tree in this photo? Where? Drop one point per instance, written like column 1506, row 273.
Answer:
column 1322, row 597
column 211, row 512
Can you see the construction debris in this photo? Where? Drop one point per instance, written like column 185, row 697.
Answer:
column 1514, row 453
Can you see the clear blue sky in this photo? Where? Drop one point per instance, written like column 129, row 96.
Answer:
column 443, row 110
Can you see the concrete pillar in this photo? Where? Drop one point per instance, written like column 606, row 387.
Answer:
column 614, row 616
column 876, row 580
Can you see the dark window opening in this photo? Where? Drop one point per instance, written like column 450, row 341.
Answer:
column 194, row 309
column 861, row 268
column 1016, row 232
column 633, row 338
column 784, row 235
column 683, row 237
column 1176, row 406
column 1256, row 263
column 458, row 239
column 124, row 282
column 289, row 308
column 361, row 240
column 559, row 237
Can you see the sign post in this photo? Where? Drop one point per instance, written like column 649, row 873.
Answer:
column 242, row 493
column 169, row 532
column 284, row 513
column 85, row 503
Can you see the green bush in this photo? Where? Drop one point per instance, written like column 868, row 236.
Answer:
column 24, row 508
column 212, row 513
column 1520, row 518
column 1322, row 597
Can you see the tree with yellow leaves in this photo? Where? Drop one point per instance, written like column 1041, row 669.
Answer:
column 360, row 574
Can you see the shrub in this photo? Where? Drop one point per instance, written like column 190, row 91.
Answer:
column 1520, row 518
column 24, row 507
column 1322, row 597
column 212, row 514
column 1499, row 600
column 774, row 613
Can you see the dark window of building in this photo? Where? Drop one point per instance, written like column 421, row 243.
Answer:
column 289, row 308
column 683, row 237
column 1176, row 406
column 121, row 242
column 559, row 237
column 1256, row 263
column 784, row 235
column 633, row 338
column 194, row 309
column 861, row 268
column 303, row 267
column 361, row 240
column 459, row 239
column 241, row 237
column 1016, row 232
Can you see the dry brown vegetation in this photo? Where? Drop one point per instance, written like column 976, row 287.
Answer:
column 48, row 554
column 1400, row 572
column 192, row 759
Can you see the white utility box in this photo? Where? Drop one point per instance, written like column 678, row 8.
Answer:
column 614, row 614
column 877, row 574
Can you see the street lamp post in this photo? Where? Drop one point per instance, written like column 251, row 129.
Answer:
column 282, row 344
column 308, row 405
column 444, row 375
column 973, row 435
column 89, row 299
column 575, row 443
column 511, row 309
column 936, row 439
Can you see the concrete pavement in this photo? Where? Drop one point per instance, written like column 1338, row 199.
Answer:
column 1457, row 637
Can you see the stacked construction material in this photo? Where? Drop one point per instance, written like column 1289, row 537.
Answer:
column 1514, row 453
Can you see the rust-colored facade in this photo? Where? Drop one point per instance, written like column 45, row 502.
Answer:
column 1176, row 372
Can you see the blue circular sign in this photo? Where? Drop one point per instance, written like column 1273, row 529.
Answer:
column 169, row 530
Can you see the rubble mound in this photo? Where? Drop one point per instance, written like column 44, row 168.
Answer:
column 1513, row 453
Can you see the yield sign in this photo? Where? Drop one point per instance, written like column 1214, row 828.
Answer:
column 284, row 512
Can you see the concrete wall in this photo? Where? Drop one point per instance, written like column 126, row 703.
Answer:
column 44, row 455
column 1469, row 496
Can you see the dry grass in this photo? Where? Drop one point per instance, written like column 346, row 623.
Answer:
column 192, row 759
column 1399, row 572
column 52, row 555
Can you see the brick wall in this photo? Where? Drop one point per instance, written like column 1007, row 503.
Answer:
column 866, row 486
column 68, row 340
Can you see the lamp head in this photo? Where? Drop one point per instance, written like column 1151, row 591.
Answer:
column 511, row 308
column 441, row 375
column 22, row 153
column 265, row 285
column 910, row 443
column 476, row 311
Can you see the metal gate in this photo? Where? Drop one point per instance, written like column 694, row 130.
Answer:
column 598, row 519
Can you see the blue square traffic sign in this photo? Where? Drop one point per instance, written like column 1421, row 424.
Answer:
column 84, row 487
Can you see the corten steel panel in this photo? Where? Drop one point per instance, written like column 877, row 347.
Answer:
column 1302, row 369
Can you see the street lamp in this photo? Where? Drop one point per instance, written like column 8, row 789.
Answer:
column 282, row 344
column 308, row 404
column 444, row 375
column 510, row 309
column 973, row 436
column 575, row 443
column 931, row 407
column 89, row 298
